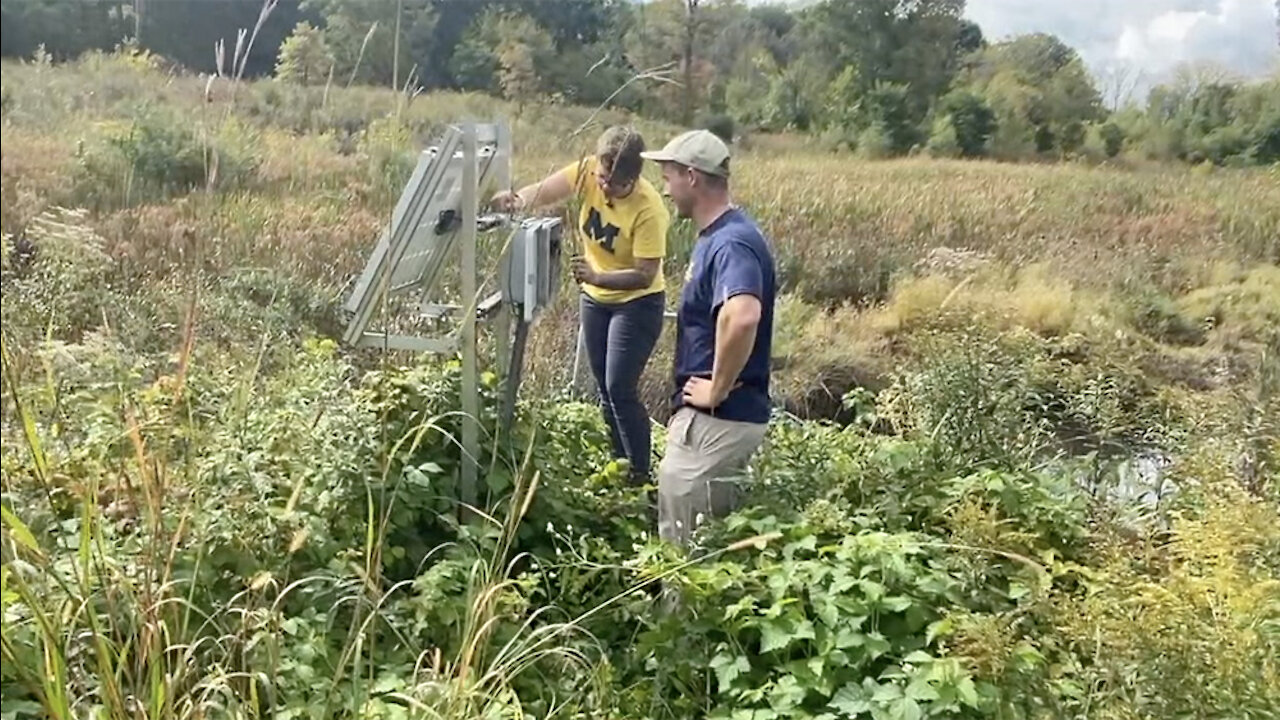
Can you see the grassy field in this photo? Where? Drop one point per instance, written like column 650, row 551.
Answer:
column 307, row 177
column 214, row 511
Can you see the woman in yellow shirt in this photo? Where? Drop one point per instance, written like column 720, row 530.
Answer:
column 622, row 228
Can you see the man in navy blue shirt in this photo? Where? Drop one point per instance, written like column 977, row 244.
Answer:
column 724, row 326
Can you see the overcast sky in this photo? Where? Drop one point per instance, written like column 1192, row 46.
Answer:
column 1152, row 36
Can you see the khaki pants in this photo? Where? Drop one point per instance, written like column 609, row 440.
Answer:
column 699, row 475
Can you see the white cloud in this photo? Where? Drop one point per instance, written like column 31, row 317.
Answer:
column 1148, row 36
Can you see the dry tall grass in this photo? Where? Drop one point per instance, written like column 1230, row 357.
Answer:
column 854, row 238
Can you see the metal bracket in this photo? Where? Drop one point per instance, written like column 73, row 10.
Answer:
column 448, row 221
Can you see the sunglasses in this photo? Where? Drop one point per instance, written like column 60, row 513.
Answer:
column 606, row 180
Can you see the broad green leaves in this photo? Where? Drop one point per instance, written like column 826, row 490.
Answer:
column 777, row 634
column 729, row 667
column 932, row 688
column 854, row 699
column 844, row 627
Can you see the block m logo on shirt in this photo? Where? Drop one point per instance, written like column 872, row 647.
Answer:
column 605, row 234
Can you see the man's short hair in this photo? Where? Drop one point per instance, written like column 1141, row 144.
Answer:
column 719, row 182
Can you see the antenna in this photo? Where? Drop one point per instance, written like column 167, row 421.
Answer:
column 436, row 218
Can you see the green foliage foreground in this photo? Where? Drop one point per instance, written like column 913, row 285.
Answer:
column 272, row 534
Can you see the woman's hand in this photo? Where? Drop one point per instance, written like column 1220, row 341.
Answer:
column 507, row 201
column 582, row 272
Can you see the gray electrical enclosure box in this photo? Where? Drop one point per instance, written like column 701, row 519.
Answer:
column 531, row 266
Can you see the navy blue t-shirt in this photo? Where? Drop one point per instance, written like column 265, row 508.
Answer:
column 731, row 257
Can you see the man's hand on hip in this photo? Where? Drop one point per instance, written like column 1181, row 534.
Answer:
column 701, row 392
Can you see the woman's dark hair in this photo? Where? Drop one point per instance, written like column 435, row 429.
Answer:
column 619, row 150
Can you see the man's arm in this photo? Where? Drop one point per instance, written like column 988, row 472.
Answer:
column 735, row 336
column 738, row 288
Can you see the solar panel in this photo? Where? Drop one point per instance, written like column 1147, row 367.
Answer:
column 436, row 236
column 422, row 234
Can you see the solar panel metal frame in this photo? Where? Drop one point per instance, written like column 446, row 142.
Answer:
column 448, row 177
column 434, row 187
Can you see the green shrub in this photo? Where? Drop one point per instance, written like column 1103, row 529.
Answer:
column 156, row 154
column 875, row 143
column 234, row 155
column 1157, row 315
column 304, row 57
column 298, row 108
column 943, row 141
column 243, row 306
column 1186, row 626
column 810, row 624
column 1247, row 304
column 971, row 119
column 1103, row 141
column 803, row 463
column 159, row 156
column 1112, row 138
column 971, row 401
column 1014, row 397
column 721, row 125
column 391, row 157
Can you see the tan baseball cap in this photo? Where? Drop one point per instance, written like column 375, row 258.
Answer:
column 698, row 149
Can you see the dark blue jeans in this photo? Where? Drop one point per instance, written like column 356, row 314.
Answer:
column 619, row 340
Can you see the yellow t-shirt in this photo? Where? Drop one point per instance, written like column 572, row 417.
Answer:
column 614, row 234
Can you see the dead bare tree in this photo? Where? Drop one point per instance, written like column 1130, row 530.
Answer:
column 1119, row 81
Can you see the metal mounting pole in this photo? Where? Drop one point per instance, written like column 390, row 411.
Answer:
column 470, row 375
column 504, row 316
column 513, row 370
column 502, row 339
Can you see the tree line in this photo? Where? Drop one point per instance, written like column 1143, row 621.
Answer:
column 879, row 77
